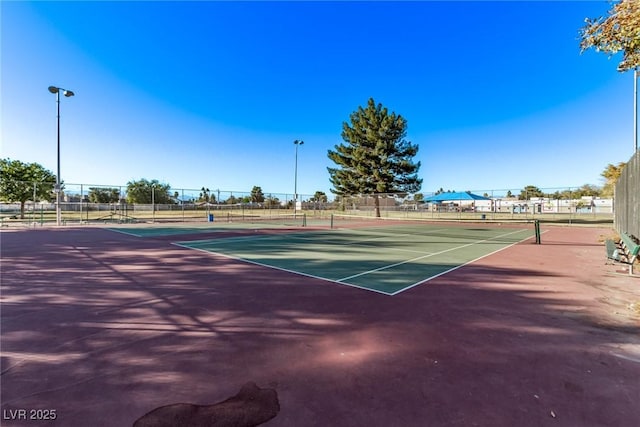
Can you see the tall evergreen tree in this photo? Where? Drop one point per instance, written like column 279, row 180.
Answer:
column 376, row 157
column 257, row 196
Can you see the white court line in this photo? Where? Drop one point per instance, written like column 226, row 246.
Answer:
column 363, row 242
column 459, row 266
column 235, row 239
column 294, row 236
column 377, row 237
column 278, row 268
column 185, row 245
column 115, row 230
column 123, row 232
column 426, row 256
column 291, row 236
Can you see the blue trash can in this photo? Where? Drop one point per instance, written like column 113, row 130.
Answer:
column 210, row 217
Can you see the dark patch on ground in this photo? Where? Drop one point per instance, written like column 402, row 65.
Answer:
column 251, row 407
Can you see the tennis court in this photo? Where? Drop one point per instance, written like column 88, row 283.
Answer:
column 104, row 327
column 386, row 256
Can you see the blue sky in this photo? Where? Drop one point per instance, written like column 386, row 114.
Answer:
column 496, row 94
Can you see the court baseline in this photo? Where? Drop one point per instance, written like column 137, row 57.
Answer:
column 283, row 239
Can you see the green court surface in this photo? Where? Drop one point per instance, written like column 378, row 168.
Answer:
column 212, row 227
column 383, row 260
column 163, row 230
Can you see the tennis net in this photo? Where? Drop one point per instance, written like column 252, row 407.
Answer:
column 288, row 220
column 425, row 225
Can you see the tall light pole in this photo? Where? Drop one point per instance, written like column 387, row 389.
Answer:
column 635, row 110
column 57, row 189
column 295, row 179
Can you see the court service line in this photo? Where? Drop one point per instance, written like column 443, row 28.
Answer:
column 377, row 236
column 361, row 242
column 425, row 256
column 305, row 237
column 382, row 235
column 459, row 266
column 300, row 273
column 294, row 236
column 236, row 239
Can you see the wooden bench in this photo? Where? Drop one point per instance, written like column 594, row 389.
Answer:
column 625, row 251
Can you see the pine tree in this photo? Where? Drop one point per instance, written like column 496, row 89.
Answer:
column 257, row 196
column 375, row 158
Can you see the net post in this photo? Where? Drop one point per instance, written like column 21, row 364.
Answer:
column 304, row 219
column 331, row 222
column 537, row 231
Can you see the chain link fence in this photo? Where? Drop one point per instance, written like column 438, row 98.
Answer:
column 86, row 203
column 554, row 204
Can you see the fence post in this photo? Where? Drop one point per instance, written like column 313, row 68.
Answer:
column 33, row 209
column 81, row 196
column 153, row 203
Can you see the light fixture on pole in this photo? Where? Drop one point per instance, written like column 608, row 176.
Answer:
column 295, row 179
column 57, row 189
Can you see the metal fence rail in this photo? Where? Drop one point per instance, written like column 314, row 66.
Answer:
column 81, row 204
